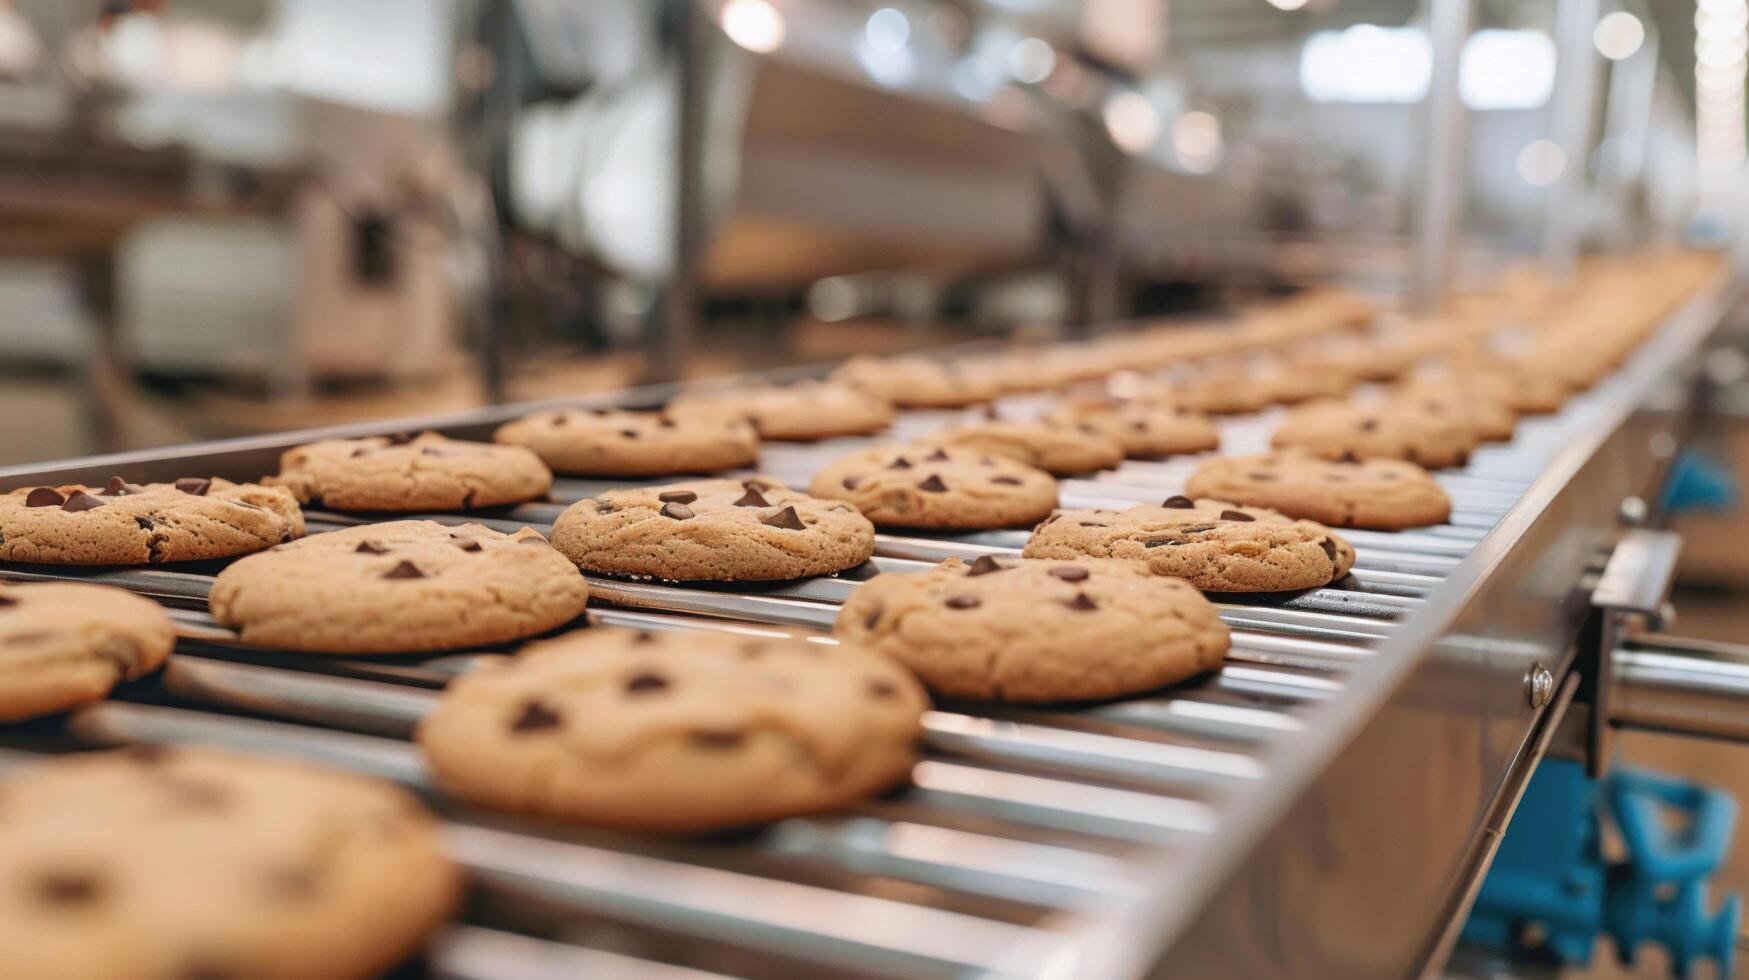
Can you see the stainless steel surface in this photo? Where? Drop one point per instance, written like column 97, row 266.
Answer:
column 1690, row 687
column 1439, row 215
column 1160, row 834
column 1633, row 588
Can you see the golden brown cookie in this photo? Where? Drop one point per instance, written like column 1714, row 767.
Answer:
column 64, row 644
column 675, row 732
column 919, row 382
column 804, row 411
column 128, row 524
column 1060, row 450
column 714, row 530
column 1145, row 429
column 1383, row 494
column 1369, row 430
column 617, row 442
column 938, row 487
column 1216, row 545
column 1016, row 629
column 427, row 472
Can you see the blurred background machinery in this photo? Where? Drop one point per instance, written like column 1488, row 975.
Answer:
column 222, row 216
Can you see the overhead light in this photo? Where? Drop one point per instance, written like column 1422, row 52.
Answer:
column 1618, row 35
column 1031, row 60
column 1721, row 58
column 1366, row 63
column 1541, row 163
column 887, row 29
column 1196, row 141
column 1506, row 69
column 1132, row 121
column 1287, row 4
column 753, row 24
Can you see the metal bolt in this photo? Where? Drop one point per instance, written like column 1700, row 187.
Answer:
column 1541, row 684
column 1632, row 512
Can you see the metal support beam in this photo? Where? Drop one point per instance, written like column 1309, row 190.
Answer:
column 1439, row 218
column 1570, row 110
column 676, row 308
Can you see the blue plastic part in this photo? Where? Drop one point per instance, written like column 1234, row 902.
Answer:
column 1698, row 482
column 1552, row 890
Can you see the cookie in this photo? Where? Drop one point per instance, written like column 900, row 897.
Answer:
column 399, row 587
column 160, row 864
column 616, row 442
column 1061, row 450
column 1525, row 391
column 918, row 382
column 1393, row 430
column 938, row 487
column 427, row 472
column 1225, row 390
column 1490, row 419
column 1383, row 494
column 64, row 644
column 675, row 732
column 1016, row 629
column 1215, row 545
column 1145, row 430
column 715, row 531
column 129, row 524
column 804, row 411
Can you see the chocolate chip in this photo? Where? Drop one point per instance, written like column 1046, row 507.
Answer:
column 1348, row 457
column 1084, row 427
column 67, row 888
column 985, row 565
column 1329, row 547
column 1070, row 573
column 1091, row 524
column 80, row 501
column 938, row 456
column 665, row 422
column 643, row 638
column 852, row 482
column 44, row 497
column 1236, row 515
column 679, row 512
column 195, row 485
column 535, row 717
column 118, row 487
column 882, row 689
column 144, row 753
column 1007, row 481
column 1179, row 502
column 470, row 546
column 709, row 739
column 899, row 464
column 1081, row 603
column 677, row 496
column 629, row 433
column 1140, row 425
column 963, row 602
column 360, row 451
column 752, row 498
column 1368, row 425
column 366, row 548
column 431, row 451
column 7, row 602
column 646, row 684
column 400, row 438
column 405, row 569
column 1198, row 528
column 1262, row 477
column 786, row 518
column 605, row 508
column 933, row 484
column 1166, row 542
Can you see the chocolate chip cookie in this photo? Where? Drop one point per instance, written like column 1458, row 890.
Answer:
column 156, row 864
column 918, row 382
column 66, row 644
column 616, row 442
column 1216, row 545
column 1017, row 629
column 427, row 472
column 399, row 587
column 1060, row 450
column 1145, row 429
column 1383, row 494
column 675, row 732
column 1486, row 413
column 1392, row 430
column 804, row 411
column 938, row 487
column 123, row 523
column 714, row 530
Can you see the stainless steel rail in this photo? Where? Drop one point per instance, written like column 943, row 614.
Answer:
column 1055, row 840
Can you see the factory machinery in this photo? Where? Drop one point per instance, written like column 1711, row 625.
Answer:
column 1326, row 804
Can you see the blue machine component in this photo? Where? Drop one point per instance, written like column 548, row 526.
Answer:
column 1698, row 482
column 1552, row 890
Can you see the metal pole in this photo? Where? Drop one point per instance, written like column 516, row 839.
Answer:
column 1439, row 217
column 676, row 308
column 1571, row 109
column 1691, row 687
